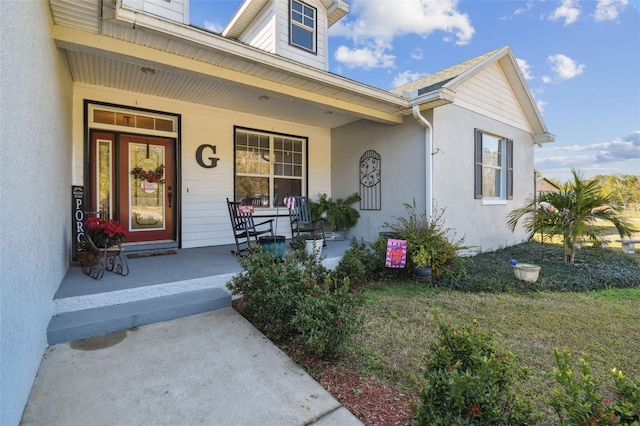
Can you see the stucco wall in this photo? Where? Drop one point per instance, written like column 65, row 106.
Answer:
column 402, row 152
column 205, row 218
column 483, row 224
column 35, row 193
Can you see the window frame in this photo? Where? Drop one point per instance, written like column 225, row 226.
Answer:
column 272, row 177
column 506, row 167
column 301, row 25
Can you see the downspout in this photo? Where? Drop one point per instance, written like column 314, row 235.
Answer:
column 429, row 160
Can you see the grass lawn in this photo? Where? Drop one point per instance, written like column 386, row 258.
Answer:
column 400, row 324
column 590, row 308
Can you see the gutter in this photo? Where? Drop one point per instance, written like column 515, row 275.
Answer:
column 428, row 177
column 431, row 99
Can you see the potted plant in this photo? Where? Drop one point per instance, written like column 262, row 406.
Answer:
column 104, row 234
column 339, row 213
column 82, row 252
column 313, row 244
column 422, row 260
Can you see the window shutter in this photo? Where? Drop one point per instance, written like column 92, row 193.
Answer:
column 509, row 169
column 478, row 163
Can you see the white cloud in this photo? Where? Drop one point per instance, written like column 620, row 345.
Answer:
column 527, row 8
column 406, row 77
column 596, row 156
column 525, row 68
column 546, row 79
column 565, row 67
column 366, row 57
column 375, row 24
column 212, row 26
column 541, row 105
column 569, row 11
column 387, row 19
column 608, row 10
column 417, row 54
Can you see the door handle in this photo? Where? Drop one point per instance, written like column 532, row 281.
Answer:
column 170, row 194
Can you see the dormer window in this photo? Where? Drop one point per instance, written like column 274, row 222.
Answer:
column 302, row 26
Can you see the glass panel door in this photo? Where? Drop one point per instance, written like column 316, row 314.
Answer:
column 147, row 204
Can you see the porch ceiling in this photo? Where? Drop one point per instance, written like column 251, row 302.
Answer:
column 196, row 66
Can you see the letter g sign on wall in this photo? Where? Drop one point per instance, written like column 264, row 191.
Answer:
column 212, row 161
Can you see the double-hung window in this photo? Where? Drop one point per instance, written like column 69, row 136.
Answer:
column 493, row 166
column 267, row 165
column 302, row 26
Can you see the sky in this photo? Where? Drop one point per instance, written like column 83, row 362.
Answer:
column 580, row 59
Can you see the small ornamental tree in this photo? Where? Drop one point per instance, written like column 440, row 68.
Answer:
column 572, row 213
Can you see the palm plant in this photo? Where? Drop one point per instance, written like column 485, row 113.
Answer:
column 572, row 213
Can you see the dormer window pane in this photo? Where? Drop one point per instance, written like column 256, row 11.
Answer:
column 303, row 26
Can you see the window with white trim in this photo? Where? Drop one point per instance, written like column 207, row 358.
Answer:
column 268, row 164
column 302, row 26
column 493, row 166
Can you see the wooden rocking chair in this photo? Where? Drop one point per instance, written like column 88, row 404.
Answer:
column 245, row 229
column 301, row 221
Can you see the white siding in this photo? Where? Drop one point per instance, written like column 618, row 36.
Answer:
column 205, row 219
column 261, row 33
column 490, row 94
column 35, row 192
column 283, row 48
column 175, row 10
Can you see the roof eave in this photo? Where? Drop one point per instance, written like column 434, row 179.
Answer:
column 247, row 11
column 544, row 138
column 249, row 53
column 431, row 99
column 336, row 10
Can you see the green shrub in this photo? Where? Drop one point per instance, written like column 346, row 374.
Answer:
column 326, row 319
column 578, row 401
column 430, row 234
column 296, row 299
column 468, row 381
column 360, row 264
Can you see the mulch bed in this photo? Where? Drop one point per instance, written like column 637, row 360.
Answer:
column 368, row 399
column 372, row 401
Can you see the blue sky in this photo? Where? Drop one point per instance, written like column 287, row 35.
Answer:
column 581, row 60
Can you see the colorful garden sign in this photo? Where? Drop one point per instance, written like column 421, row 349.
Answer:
column 396, row 253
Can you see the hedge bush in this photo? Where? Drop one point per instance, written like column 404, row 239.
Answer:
column 469, row 381
column 297, row 299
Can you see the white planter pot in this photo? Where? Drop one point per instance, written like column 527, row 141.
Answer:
column 526, row 272
column 314, row 247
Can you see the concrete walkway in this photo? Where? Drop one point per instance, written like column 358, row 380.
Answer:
column 210, row 369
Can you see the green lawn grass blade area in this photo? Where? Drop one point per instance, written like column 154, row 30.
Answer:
column 400, row 324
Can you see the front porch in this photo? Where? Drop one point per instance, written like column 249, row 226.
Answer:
column 158, row 288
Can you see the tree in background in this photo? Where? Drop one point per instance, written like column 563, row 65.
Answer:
column 572, row 213
column 625, row 189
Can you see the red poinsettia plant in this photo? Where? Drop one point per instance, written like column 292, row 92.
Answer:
column 105, row 233
column 155, row 175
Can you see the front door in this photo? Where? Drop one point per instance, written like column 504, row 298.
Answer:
column 134, row 184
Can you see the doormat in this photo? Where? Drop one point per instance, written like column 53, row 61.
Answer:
column 151, row 253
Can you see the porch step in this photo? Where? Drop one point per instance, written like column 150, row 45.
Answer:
column 76, row 325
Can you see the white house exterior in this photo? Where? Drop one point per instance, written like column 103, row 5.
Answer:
column 201, row 103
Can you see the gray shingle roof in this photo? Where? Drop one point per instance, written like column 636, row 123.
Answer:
column 436, row 80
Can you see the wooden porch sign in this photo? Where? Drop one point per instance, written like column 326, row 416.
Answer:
column 245, row 209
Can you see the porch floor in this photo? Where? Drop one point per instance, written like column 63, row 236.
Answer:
column 186, row 265
column 157, row 288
